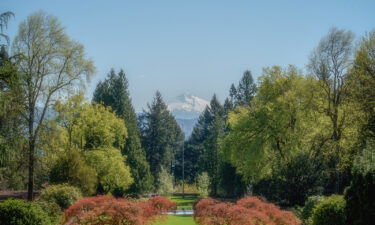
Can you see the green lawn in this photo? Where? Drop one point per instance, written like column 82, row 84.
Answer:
column 178, row 220
column 184, row 203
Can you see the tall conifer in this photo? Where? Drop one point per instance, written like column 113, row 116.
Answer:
column 161, row 136
column 114, row 92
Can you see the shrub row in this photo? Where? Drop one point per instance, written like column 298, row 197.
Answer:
column 111, row 210
column 246, row 211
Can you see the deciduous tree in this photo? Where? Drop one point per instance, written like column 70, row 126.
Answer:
column 50, row 64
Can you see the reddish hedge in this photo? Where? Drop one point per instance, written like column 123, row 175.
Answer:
column 247, row 211
column 100, row 210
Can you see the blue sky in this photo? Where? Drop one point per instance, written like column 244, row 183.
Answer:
column 196, row 46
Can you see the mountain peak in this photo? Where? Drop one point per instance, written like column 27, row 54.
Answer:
column 186, row 109
column 187, row 106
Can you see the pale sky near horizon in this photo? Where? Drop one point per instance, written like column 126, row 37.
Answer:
column 195, row 46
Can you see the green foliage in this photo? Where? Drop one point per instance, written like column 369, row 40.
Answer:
column 99, row 134
column 306, row 212
column 330, row 64
column 330, row 211
column 71, row 168
column 111, row 169
column 114, row 92
column 203, row 149
column 203, row 183
column 360, row 195
column 211, row 158
column 89, row 126
column 165, row 183
column 243, row 93
column 279, row 122
column 12, row 140
column 18, row 212
column 292, row 181
column 362, row 82
column 52, row 209
column 162, row 137
column 231, row 184
column 63, row 195
column 194, row 147
column 100, row 127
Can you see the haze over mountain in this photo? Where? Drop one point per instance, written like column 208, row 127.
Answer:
column 186, row 109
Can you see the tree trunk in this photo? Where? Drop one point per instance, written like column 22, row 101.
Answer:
column 30, row 187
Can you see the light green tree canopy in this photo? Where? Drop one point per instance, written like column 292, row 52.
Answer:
column 90, row 125
column 109, row 164
column 279, row 122
column 99, row 134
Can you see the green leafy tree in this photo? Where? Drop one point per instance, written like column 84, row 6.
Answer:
column 98, row 134
column 100, row 127
column 50, row 64
column 109, row 165
column 231, row 183
column 70, row 167
column 114, row 92
column 12, row 140
column 360, row 207
column 362, row 83
column 330, row 63
column 161, row 136
column 293, row 181
column 280, row 122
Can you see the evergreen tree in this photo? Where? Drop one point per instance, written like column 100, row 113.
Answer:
column 12, row 139
column 213, row 129
column 246, row 89
column 242, row 94
column 202, row 146
column 114, row 92
column 231, row 183
column 161, row 137
column 193, row 149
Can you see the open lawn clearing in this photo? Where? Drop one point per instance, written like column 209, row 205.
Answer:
column 178, row 220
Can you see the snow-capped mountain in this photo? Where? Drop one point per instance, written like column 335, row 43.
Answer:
column 187, row 106
column 186, row 109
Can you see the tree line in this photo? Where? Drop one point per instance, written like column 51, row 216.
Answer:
column 286, row 137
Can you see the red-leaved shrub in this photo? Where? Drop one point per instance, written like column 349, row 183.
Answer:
column 161, row 204
column 247, row 211
column 100, row 210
